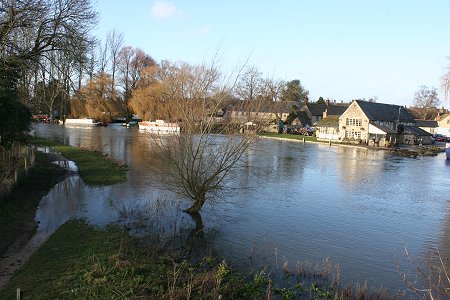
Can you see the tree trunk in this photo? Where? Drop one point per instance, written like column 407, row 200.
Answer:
column 197, row 206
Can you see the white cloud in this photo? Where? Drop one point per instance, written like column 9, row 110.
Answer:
column 164, row 9
column 204, row 30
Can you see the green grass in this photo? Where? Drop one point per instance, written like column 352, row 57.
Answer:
column 95, row 168
column 18, row 209
column 81, row 262
column 291, row 137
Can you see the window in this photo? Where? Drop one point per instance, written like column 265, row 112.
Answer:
column 353, row 134
column 354, row 122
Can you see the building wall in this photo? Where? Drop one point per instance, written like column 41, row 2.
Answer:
column 351, row 129
column 444, row 126
column 328, row 133
column 444, row 123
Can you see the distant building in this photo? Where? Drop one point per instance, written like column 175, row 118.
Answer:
column 379, row 124
column 444, row 125
column 314, row 111
column 328, row 128
column 429, row 126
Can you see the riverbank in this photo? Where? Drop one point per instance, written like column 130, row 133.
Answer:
column 403, row 150
column 94, row 167
column 108, row 263
column 17, row 210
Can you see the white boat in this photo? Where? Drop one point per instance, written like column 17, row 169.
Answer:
column 81, row 122
column 447, row 150
column 159, row 126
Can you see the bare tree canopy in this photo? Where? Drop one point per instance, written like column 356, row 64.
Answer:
column 196, row 163
column 426, row 100
column 30, row 28
column 445, row 83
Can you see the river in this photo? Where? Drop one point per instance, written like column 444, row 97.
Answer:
column 359, row 207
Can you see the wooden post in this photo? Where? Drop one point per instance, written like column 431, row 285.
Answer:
column 329, row 142
column 304, row 140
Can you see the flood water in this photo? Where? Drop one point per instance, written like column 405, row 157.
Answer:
column 305, row 202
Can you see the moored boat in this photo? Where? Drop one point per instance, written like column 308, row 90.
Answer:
column 159, row 126
column 81, row 122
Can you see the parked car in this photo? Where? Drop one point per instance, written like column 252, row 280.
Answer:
column 441, row 138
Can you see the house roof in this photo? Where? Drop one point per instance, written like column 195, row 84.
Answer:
column 382, row 128
column 336, row 110
column 426, row 123
column 385, row 112
column 329, row 121
column 416, row 131
column 303, row 118
column 262, row 107
column 316, row 109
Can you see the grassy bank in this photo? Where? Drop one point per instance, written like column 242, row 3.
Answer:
column 17, row 211
column 82, row 262
column 291, row 137
column 95, row 168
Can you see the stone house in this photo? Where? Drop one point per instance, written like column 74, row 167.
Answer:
column 314, row 111
column 328, row 127
column 372, row 123
column 443, row 125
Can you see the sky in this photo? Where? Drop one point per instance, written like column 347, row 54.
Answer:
column 341, row 50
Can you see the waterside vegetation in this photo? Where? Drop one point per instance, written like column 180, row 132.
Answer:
column 17, row 210
column 94, row 167
column 108, row 263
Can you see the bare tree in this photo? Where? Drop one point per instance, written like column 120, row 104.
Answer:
column 114, row 41
column 431, row 279
column 250, row 84
column 29, row 29
column 125, row 57
column 445, row 83
column 198, row 162
column 426, row 101
column 140, row 61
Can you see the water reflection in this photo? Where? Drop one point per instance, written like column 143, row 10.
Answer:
column 301, row 202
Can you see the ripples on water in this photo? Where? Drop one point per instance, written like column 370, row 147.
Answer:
column 301, row 201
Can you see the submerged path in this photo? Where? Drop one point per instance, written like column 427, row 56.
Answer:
column 93, row 167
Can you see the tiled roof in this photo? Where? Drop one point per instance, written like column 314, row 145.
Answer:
column 385, row 112
column 426, row 123
column 316, row 109
column 336, row 110
column 303, row 118
column 416, row 131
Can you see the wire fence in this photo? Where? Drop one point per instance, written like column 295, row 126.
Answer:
column 14, row 165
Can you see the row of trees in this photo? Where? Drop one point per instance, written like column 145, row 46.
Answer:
column 42, row 43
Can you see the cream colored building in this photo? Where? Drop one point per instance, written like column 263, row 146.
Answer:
column 373, row 123
column 444, row 125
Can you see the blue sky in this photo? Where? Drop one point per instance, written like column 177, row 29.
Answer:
column 338, row 49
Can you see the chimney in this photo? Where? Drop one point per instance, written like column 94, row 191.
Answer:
column 328, row 102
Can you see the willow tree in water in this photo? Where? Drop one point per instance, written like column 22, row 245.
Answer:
column 198, row 162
